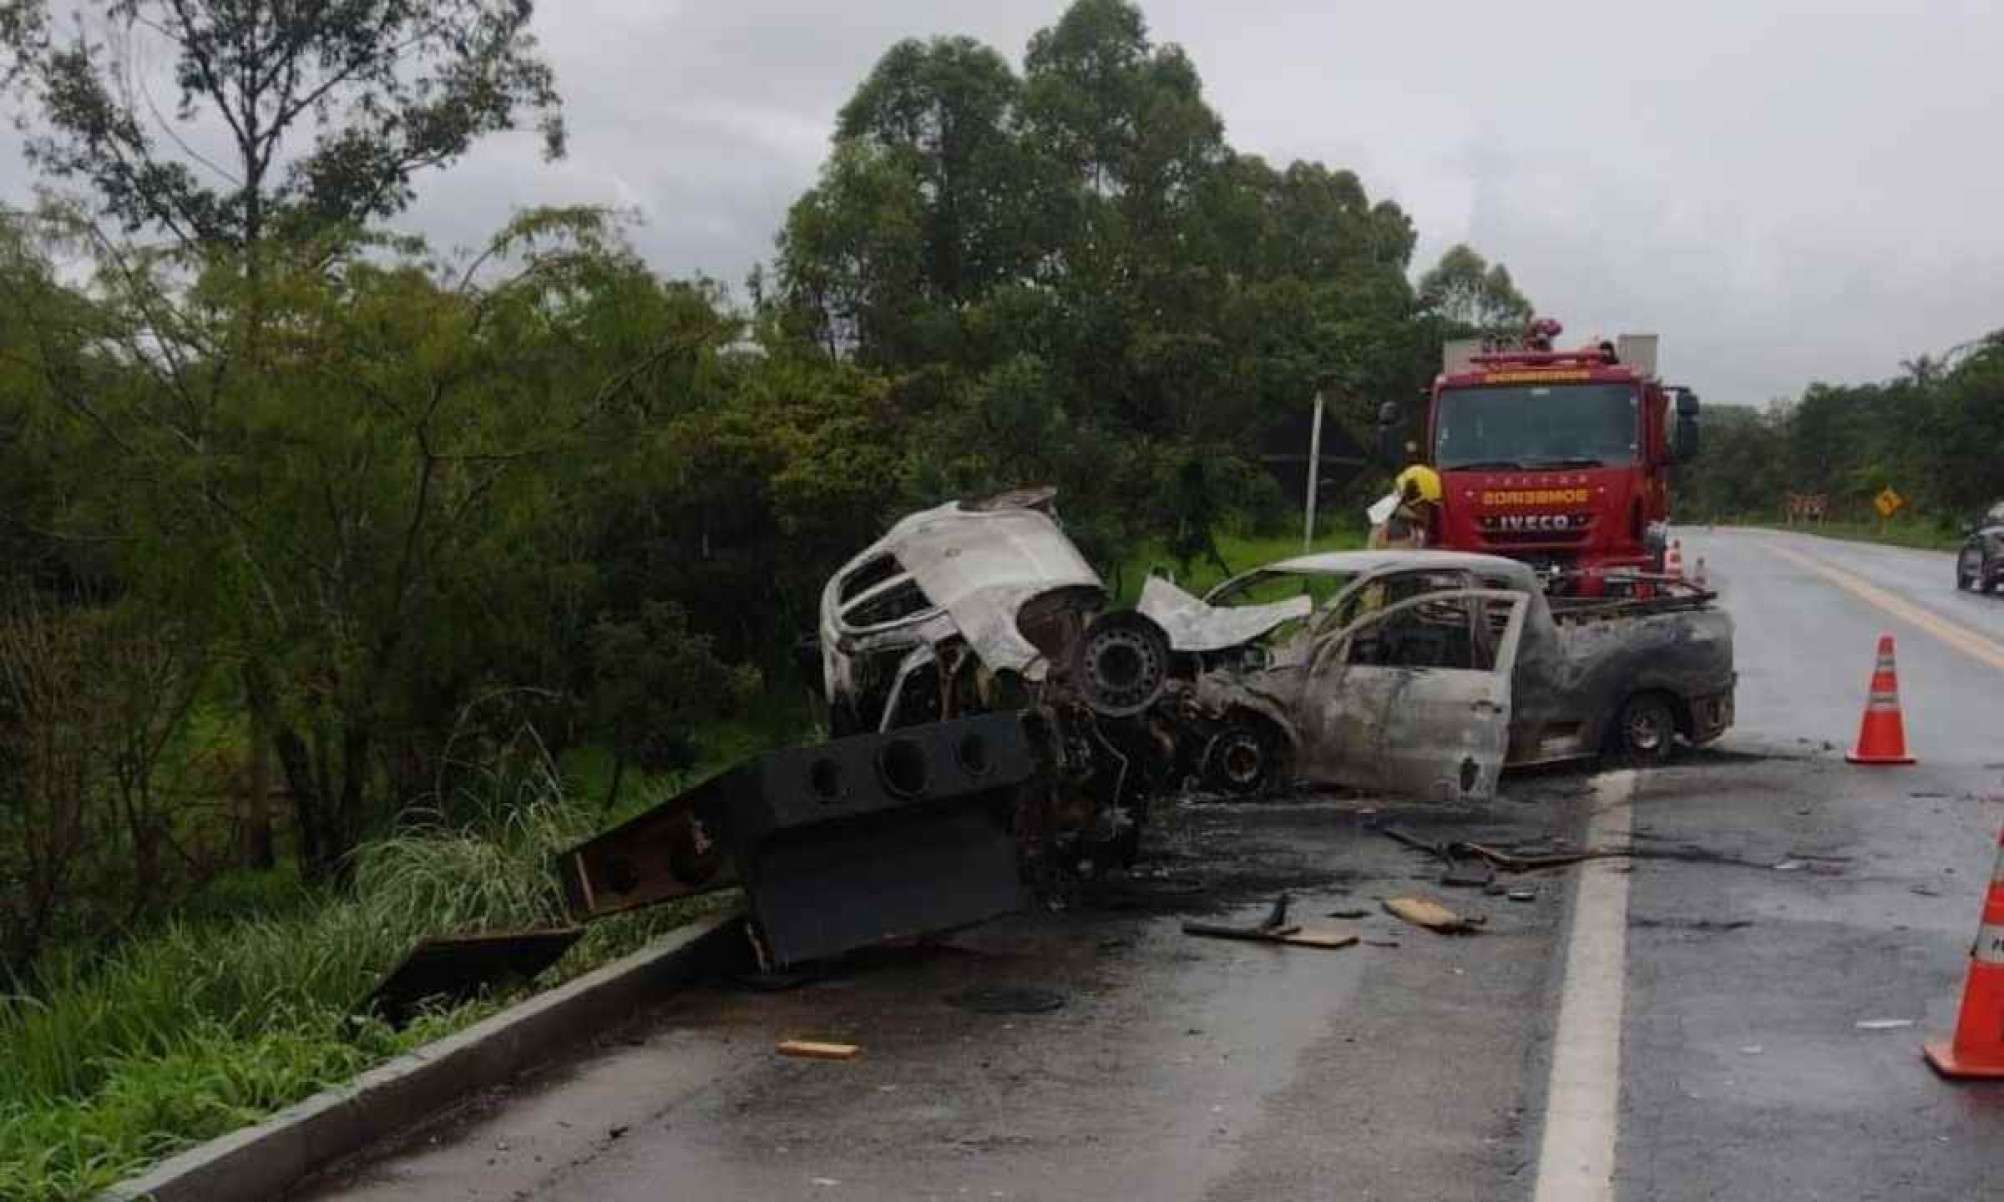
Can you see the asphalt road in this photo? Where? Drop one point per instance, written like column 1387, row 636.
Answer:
column 1682, row 1025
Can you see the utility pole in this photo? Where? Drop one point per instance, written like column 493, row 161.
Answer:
column 1314, row 464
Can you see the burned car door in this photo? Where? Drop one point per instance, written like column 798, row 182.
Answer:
column 1414, row 699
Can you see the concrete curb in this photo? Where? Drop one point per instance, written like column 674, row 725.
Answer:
column 262, row 1161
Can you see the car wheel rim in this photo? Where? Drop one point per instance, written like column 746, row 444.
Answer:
column 1242, row 760
column 1645, row 731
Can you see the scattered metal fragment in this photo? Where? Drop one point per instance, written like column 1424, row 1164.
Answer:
column 1924, row 891
column 1522, row 895
column 1007, row 999
column 1468, row 874
column 1789, row 865
column 838, row 845
column 810, row 1049
column 1883, row 1024
column 1293, row 936
column 456, row 968
column 1402, row 835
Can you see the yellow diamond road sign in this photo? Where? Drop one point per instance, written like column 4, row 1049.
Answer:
column 1888, row 502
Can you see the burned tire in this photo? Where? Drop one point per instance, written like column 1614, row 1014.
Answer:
column 1645, row 732
column 1123, row 664
column 1248, row 758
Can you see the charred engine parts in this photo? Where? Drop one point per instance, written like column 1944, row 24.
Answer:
column 837, row 845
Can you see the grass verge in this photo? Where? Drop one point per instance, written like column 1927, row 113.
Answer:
column 1919, row 535
column 206, row 1025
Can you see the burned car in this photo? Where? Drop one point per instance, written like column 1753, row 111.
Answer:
column 1426, row 672
column 986, row 606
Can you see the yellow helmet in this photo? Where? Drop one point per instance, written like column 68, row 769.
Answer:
column 1418, row 481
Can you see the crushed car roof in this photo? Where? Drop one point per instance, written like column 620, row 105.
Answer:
column 1357, row 562
column 1364, row 563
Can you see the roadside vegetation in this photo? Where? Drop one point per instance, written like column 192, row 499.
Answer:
column 343, row 577
column 1934, row 435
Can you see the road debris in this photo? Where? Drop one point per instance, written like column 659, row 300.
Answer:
column 1431, row 915
column 1350, row 912
column 1007, row 999
column 1883, row 1024
column 455, row 968
column 1533, row 859
column 1275, row 929
column 1468, row 874
column 1694, row 924
column 809, row 1049
column 1522, row 895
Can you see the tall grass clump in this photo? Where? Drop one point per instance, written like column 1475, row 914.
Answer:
column 200, row 1026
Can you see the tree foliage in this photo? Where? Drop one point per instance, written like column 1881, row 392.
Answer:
column 384, row 89
column 384, row 508
column 1931, row 434
column 1465, row 290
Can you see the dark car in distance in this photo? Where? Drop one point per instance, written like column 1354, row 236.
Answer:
column 1980, row 563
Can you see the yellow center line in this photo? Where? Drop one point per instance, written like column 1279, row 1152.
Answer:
column 1957, row 636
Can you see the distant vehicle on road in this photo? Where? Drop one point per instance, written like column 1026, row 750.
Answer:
column 1980, row 565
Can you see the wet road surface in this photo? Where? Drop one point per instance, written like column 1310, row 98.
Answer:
column 1709, row 1038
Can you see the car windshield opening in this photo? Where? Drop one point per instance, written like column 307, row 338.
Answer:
column 1567, row 425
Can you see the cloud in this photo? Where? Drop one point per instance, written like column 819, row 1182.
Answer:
column 1783, row 194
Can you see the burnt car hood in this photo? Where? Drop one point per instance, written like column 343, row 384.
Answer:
column 977, row 567
column 1192, row 625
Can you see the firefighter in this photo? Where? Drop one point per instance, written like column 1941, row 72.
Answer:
column 1417, row 490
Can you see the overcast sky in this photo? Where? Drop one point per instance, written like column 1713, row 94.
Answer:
column 1784, row 193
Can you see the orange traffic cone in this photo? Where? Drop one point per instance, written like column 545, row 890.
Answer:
column 1882, row 736
column 1978, row 1047
column 1673, row 559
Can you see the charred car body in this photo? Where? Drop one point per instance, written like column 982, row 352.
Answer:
column 997, row 726
column 1427, row 672
column 987, row 607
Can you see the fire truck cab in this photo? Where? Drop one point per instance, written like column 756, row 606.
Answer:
column 1559, row 459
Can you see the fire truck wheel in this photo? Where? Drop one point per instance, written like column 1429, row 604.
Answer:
column 1646, row 730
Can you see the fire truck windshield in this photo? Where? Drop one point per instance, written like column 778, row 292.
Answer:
column 1562, row 425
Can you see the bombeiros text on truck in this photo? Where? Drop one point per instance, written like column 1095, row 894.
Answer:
column 1558, row 458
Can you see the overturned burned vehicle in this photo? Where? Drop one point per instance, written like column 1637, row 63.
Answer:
column 984, row 607
column 996, row 725
column 1427, row 672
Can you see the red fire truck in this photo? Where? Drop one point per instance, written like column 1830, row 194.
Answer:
column 1559, row 458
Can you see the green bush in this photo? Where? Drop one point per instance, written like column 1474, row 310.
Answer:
column 201, row 1026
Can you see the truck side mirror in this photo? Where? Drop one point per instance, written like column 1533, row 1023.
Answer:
column 1684, row 434
column 1389, row 445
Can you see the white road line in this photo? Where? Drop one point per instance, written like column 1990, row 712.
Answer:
column 1583, row 1098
